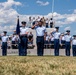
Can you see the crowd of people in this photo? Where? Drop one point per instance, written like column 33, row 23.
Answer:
column 55, row 39
column 48, row 23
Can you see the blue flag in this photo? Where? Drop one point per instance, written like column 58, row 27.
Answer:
column 18, row 27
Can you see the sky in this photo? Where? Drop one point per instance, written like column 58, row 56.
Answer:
column 64, row 13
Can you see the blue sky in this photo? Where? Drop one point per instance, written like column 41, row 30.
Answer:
column 32, row 7
column 60, row 6
column 64, row 12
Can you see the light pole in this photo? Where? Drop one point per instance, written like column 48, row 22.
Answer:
column 52, row 7
column 53, row 12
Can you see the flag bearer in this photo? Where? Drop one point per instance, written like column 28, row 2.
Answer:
column 23, row 39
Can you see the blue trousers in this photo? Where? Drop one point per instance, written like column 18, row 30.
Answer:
column 46, row 42
column 40, row 46
column 13, row 45
column 23, row 46
column 74, row 50
column 51, row 42
column 56, row 47
column 67, row 48
column 51, row 25
column 46, row 25
column 4, row 48
column 63, row 42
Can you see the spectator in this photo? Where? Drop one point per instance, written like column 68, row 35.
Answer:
column 51, row 23
column 62, row 40
column 30, row 38
column 51, row 39
column 33, row 23
column 38, row 19
column 46, row 38
column 46, row 22
column 14, row 41
column 43, row 20
column 30, row 22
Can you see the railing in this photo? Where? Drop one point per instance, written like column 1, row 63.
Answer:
column 48, row 46
column 31, row 46
column 15, row 46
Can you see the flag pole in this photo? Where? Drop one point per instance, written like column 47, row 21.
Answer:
column 52, row 9
column 17, row 17
column 18, row 26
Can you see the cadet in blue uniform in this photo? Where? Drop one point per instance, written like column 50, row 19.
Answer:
column 23, row 40
column 56, row 41
column 4, row 44
column 40, row 30
column 74, row 45
column 68, row 40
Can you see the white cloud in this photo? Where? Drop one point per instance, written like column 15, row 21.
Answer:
column 75, row 32
column 8, row 15
column 67, row 28
column 62, row 19
column 75, row 11
column 8, row 4
column 42, row 3
column 71, row 18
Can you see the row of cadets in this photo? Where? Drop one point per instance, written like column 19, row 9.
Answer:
column 40, row 41
column 67, row 41
column 40, row 31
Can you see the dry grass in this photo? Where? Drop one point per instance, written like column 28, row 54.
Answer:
column 33, row 65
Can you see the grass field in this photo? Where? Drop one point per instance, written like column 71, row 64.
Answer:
column 34, row 65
